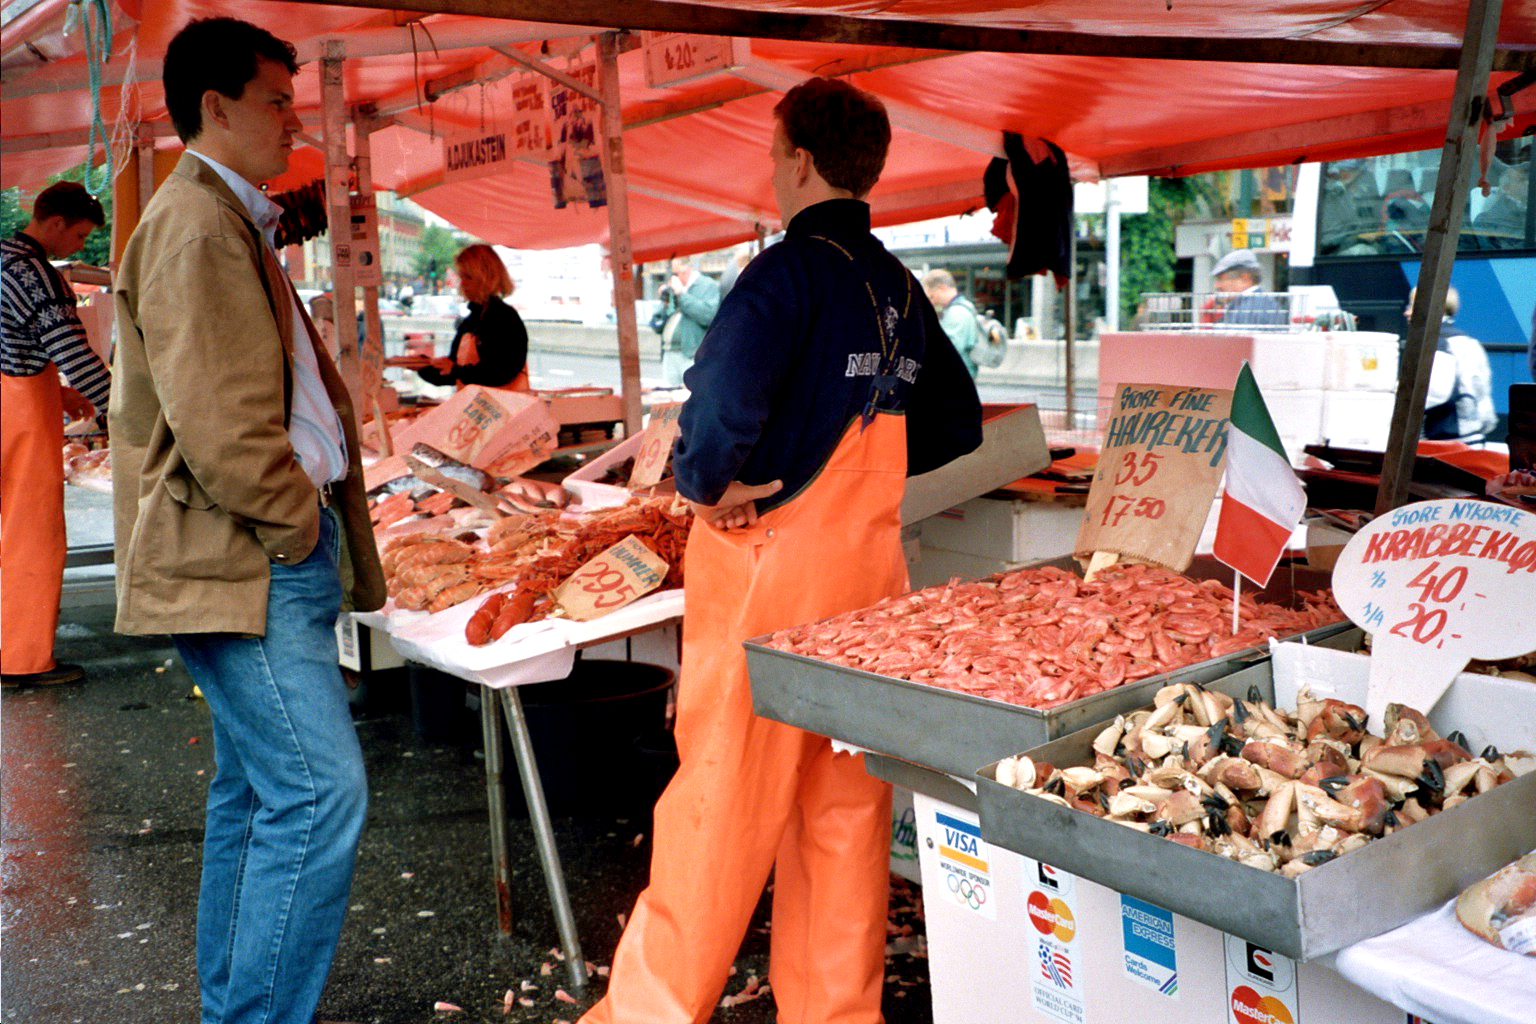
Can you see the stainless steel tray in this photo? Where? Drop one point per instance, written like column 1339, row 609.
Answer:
column 956, row 732
column 1364, row 893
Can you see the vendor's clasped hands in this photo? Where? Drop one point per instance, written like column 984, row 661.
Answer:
column 737, row 507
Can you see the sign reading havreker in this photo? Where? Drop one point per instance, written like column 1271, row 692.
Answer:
column 1161, row 460
column 1436, row 584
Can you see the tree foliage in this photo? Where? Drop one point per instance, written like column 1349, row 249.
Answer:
column 439, row 246
column 1147, row 253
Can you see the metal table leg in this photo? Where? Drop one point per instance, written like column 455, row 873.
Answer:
column 496, row 802
column 538, row 815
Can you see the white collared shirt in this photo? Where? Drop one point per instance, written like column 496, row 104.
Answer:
column 314, row 429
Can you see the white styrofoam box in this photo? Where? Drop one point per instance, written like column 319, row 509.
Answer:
column 1362, row 361
column 1298, row 417
column 1488, row 709
column 1006, row 529
column 583, row 482
column 1357, row 419
column 1286, row 362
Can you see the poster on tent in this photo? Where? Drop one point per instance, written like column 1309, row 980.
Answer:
column 530, row 127
column 575, row 164
column 1158, row 470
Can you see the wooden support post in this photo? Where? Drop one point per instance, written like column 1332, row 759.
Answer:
column 620, row 253
column 1455, row 177
column 338, row 185
column 371, row 358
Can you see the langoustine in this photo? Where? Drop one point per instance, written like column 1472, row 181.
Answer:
column 1275, row 790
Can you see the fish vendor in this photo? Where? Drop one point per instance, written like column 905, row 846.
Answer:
column 824, row 381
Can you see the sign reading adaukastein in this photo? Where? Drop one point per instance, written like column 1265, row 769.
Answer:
column 476, row 154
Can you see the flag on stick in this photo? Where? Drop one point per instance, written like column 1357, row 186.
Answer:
column 1262, row 501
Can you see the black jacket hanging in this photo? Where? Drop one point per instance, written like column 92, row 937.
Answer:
column 1033, row 203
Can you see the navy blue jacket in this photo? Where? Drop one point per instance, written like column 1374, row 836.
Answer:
column 793, row 355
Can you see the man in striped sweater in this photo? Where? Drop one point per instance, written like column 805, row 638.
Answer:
column 42, row 336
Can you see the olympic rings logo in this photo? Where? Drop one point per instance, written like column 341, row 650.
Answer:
column 971, row 894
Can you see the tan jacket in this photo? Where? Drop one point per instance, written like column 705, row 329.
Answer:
column 207, row 492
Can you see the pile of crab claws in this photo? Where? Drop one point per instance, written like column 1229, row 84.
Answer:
column 1279, row 791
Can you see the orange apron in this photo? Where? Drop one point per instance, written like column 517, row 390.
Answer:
column 751, row 794
column 31, row 520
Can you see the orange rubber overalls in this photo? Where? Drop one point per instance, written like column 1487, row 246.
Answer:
column 32, row 546
column 752, row 794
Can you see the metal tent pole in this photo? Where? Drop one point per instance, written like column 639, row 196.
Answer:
column 1461, row 136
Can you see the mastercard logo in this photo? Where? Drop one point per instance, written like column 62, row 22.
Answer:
column 1051, row 917
column 1248, row 1007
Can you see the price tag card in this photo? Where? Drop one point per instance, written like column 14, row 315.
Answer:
column 673, row 57
column 1158, row 472
column 1436, row 584
column 613, row 579
column 655, row 445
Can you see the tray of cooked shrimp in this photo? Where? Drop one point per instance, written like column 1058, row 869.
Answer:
column 954, row 676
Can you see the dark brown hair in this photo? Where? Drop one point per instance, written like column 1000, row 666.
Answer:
column 845, row 130
column 218, row 54
column 70, row 200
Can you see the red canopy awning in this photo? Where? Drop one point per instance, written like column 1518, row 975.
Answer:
column 696, row 153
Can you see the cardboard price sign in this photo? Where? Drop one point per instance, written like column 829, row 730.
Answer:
column 674, row 57
column 655, row 445
column 1436, row 584
column 613, row 579
column 1158, row 472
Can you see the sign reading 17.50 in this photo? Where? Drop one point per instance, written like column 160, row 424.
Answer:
column 1158, row 470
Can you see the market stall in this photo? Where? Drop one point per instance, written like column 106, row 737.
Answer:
column 1061, row 903
column 717, row 200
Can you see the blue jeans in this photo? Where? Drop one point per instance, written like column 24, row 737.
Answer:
column 286, row 805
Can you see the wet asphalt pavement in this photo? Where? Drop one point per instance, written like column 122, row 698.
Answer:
column 101, row 821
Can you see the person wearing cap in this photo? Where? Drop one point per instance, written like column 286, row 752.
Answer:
column 42, row 338
column 1238, row 277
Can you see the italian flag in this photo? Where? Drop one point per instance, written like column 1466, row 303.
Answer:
column 1262, row 501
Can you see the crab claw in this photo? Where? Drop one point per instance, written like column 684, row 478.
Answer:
column 1405, row 725
column 1277, row 810
column 1278, row 757
column 1338, row 720
column 1180, row 807
column 1402, row 760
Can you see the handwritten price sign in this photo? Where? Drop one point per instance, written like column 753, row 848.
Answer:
column 1157, row 474
column 1436, row 584
column 613, row 579
column 655, row 445
column 673, row 57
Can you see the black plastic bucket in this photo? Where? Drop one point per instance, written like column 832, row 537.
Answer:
column 600, row 739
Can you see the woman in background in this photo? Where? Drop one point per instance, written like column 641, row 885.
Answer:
column 490, row 347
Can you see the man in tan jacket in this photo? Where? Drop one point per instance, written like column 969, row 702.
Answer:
column 242, row 526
